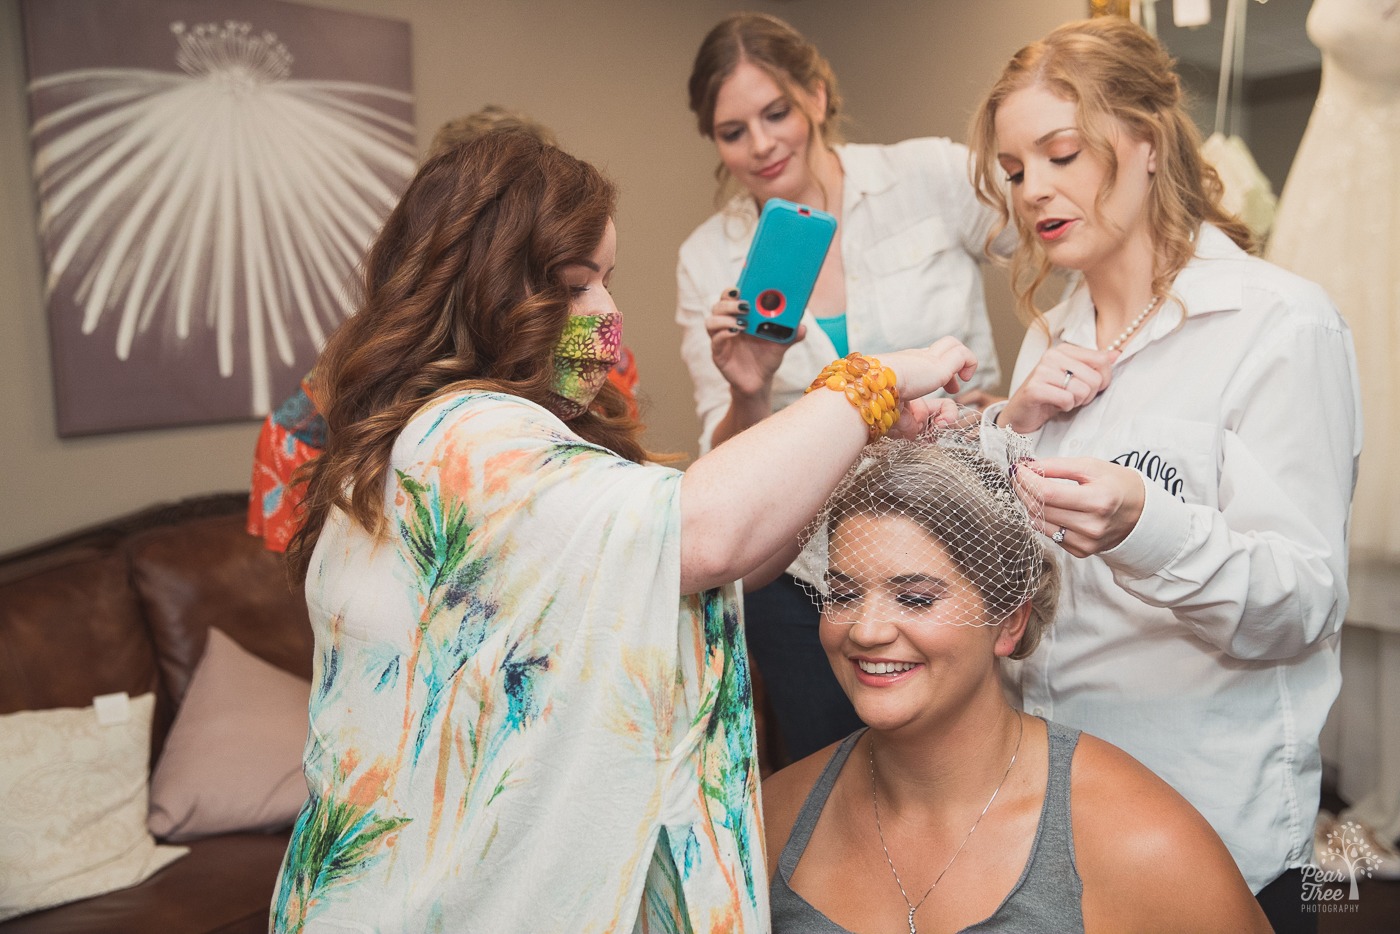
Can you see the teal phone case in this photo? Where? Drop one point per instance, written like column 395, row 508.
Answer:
column 781, row 270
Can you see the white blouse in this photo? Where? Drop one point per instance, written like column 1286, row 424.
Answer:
column 912, row 238
column 1205, row 644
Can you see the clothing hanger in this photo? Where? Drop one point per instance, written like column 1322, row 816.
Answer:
column 1145, row 15
column 1248, row 192
column 1231, row 68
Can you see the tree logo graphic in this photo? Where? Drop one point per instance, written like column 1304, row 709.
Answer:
column 1347, row 858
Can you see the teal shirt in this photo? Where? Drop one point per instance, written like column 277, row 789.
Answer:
column 835, row 328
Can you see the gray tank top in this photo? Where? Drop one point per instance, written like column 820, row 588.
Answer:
column 1046, row 898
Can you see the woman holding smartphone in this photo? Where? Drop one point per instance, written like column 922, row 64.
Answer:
column 903, row 270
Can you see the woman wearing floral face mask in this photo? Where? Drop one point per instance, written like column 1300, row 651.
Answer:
column 294, row 432
column 531, row 709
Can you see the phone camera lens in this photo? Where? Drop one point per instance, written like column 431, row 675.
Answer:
column 771, row 302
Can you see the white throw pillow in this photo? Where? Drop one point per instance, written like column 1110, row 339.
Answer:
column 73, row 824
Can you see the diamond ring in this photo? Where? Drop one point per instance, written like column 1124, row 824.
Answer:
column 1069, row 375
column 1059, row 537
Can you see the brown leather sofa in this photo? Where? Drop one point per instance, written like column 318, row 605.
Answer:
column 127, row 606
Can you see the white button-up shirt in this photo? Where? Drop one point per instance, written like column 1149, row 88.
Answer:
column 1205, row 644
column 912, row 238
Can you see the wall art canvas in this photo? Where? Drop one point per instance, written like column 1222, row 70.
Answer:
column 209, row 174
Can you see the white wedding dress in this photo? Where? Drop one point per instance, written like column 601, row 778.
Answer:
column 1338, row 224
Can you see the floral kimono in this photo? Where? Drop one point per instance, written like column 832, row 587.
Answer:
column 517, row 722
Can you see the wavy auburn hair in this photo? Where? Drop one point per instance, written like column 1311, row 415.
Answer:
column 1111, row 70
column 462, row 290
column 784, row 54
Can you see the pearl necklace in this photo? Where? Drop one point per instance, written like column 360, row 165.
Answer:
column 1133, row 325
column 1021, row 720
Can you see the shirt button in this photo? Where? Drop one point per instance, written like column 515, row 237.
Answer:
column 1038, row 711
column 1075, row 445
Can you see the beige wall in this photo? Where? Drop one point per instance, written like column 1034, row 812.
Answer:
column 609, row 77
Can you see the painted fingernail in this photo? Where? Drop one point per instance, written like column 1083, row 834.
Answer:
column 733, row 330
column 743, row 306
column 732, row 293
column 743, row 322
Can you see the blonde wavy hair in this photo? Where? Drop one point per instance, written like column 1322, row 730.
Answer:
column 1112, row 71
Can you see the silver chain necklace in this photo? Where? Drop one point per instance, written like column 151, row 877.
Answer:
column 875, row 799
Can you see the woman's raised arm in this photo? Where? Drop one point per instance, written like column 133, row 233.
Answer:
column 748, row 499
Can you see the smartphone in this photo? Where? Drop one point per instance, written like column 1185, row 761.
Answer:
column 784, row 259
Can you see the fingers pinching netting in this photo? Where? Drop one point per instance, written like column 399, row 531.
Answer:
column 933, row 530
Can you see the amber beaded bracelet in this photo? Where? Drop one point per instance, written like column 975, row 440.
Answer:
column 868, row 385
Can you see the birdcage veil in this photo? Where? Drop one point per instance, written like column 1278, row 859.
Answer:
column 955, row 484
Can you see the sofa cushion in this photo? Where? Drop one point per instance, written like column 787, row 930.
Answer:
column 223, row 887
column 75, row 793
column 210, row 572
column 232, row 761
column 71, row 628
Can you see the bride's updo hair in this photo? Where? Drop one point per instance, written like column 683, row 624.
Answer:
column 958, row 486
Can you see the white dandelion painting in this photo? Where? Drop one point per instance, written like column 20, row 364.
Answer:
column 209, row 175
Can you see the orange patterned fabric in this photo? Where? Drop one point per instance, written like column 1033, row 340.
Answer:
column 290, row 436
column 624, row 377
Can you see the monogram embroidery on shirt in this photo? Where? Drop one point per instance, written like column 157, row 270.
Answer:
column 1156, row 469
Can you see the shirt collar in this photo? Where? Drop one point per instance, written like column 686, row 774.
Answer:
column 866, row 171
column 1214, row 278
column 1211, row 282
column 739, row 219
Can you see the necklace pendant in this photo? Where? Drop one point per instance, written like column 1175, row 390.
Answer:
column 911, row 920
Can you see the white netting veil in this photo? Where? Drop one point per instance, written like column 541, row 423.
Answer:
column 931, row 530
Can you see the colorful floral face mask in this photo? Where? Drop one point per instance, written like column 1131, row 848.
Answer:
column 590, row 346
